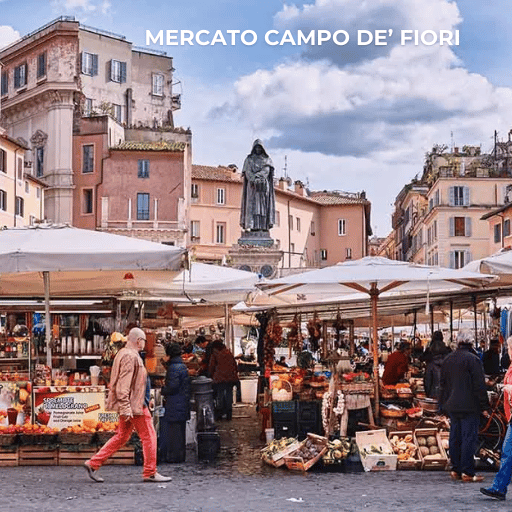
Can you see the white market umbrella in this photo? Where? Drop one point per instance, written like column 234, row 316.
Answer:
column 499, row 264
column 69, row 261
column 374, row 276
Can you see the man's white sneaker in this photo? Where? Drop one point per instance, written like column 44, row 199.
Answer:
column 93, row 474
column 157, row 477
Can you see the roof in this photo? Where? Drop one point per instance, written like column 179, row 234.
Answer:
column 336, row 198
column 497, row 211
column 162, row 145
column 16, row 142
column 219, row 173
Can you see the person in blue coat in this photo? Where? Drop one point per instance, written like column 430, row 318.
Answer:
column 176, row 392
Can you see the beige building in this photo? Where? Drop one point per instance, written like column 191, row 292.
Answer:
column 455, row 191
column 63, row 71
column 21, row 195
column 313, row 229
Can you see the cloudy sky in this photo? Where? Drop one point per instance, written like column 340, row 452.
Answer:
column 352, row 117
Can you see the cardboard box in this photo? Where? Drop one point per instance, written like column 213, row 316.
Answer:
column 376, row 461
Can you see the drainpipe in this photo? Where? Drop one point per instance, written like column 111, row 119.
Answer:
column 15, row 181
column 289, row 238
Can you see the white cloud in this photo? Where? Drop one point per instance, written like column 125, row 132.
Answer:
column 8, row 35
column 354, row 124
column 81, row 7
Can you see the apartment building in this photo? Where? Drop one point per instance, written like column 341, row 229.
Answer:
column 456, row 190
column 313, row 229
column 21, row 195
column 63, row 72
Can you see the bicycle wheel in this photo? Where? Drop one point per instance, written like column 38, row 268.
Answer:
column 491, row 433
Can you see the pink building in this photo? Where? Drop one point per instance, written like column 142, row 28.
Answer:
column 313, row 229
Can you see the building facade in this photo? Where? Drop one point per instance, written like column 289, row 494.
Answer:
column 63, row 72
column 313, row 229
column 21, row 195
column 455, row 191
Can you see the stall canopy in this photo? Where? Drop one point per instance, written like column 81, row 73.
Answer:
column 499, row 264
column 67, row 261
column 374, row 276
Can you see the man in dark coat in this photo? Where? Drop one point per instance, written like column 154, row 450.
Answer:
column 224, row 373
column 176, row 391
column 463, row 397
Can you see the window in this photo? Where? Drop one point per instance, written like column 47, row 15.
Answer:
column 87, row 158
column 434, row 231
column 342, row 227
column 459, row 258
column 460, row 226
column 220, row 232
column 27, row 187
column 143, row 169
column 3, row 200
column 20, row 76
column 158, row 85
column 297, row 223
column 348, row 253
column 292, row 248
column 459, row 196
column 195, row 230
column 87, row 203
column 278, row 244
column 87, row 107
column 38, row 193
column 20, row 206
column 3, row 161
column 278, row 218
column 117, row 71
column 41, row 65
column 89, row 64
column 194, row 190
column 142, row 206
column 32, row 220
column 313, row 228
column 20, row 169
column 497, row 233
column 5, row 84
column 117, row 112
column 506, row 228
column 39, row 162
column 221, row 196
column 290, row 221
column 323, row 254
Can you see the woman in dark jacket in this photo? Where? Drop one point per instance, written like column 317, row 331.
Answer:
column 437, row 352
column 177, row 407
column 224, row 373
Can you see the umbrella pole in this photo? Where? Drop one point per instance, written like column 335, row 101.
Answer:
column 374, row 294
column 47, row 319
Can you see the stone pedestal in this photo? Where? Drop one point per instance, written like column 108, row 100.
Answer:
column 255, row 252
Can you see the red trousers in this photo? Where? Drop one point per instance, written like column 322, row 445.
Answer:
column 143, row 425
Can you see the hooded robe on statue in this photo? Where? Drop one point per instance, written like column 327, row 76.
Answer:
column 258, row 201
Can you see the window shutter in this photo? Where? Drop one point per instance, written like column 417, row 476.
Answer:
column 139, row 170
column 123, row 72
column 452, row 259
column 94, row 71
column 452, row 226
column 16, row 77
column 452, row 197
column 467, row 257
column 109, row 70
column 466, row 196
column 82, row 62
column 437, row 197
column 467, row 231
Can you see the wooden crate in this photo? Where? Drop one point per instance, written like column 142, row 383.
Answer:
column 407, row 464
column 69, row 456
column 38, row 455
column 428, row 463
column 9, row 456
column 125, row 455
column 298, row 463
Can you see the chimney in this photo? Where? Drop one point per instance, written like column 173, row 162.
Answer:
column 299, row 188
column 282, row 183
column 455, row 149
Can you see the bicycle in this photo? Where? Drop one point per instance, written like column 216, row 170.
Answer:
column 493, row 427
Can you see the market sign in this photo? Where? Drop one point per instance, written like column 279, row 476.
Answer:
column 66, row 408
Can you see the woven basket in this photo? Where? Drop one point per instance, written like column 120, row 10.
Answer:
column 75, row 437
column 278, row 395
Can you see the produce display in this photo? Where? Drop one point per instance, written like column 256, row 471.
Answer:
column 295, row 336
column 404, row 447
column 309, row 453
column 273, row 336
column 277, row 445
column 429, row 448
column 337, row 450
column 376, row 449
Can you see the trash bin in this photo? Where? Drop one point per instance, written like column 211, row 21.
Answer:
column 249, row 388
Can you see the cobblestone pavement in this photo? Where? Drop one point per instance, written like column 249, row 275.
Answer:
column 237, row 481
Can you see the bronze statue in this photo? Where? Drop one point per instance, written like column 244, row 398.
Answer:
column 258, row 201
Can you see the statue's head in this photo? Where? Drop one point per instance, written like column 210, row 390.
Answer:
column 258, row 149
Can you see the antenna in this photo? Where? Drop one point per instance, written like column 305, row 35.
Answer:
column 452, row 140
column 285, row 168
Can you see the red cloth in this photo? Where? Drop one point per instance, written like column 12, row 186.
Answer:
column 143, row 424
column 508, row 396
column 395, row 369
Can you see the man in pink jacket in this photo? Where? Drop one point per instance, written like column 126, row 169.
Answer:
column 128, row 396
